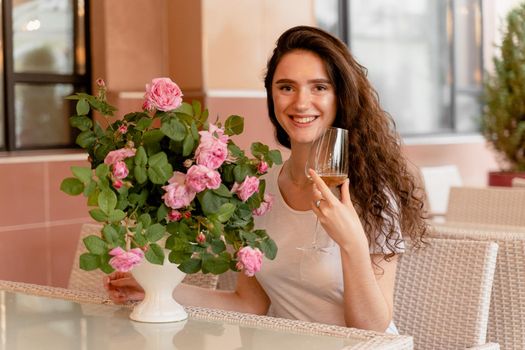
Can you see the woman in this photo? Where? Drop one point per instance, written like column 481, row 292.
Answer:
column 313, row 82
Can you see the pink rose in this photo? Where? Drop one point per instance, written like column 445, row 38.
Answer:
column 120, row 170
column 147, row 106
column 117, row 184
column 101, row 83
column 265, row 206
column 163, row 94
column 249, row 260
column 262, row 167
column 201, row 238
column 249, row 186
column 174, row 215
column 213, row 148
column 200, row 177
column 177, row 195
column 123, row 129
column 118, row 155
column 124, row 261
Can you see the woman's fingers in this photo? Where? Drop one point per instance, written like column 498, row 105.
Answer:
column 326, row 193
column 346, row 199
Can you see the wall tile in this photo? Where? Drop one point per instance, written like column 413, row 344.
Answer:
column 22, row 193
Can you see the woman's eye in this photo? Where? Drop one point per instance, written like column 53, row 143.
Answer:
column 321, row 87
column 285, row 88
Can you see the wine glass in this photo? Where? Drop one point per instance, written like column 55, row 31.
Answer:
column 329, row 158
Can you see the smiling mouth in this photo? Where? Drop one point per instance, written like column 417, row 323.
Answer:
column 303, row 120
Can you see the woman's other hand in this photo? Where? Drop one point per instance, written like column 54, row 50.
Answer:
column 122, row 287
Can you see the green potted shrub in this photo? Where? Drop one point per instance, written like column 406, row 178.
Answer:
column 503, row 121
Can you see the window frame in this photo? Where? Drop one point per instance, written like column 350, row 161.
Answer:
column 80, row 81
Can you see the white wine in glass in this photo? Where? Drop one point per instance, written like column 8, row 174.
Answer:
column 329, row 158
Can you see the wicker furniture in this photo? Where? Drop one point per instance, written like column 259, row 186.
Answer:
column 490, row 205
column 442, row 293
column 507, row 307
column 91, row 281
column 212, row 320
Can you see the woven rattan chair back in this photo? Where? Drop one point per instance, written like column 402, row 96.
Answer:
column 442, row 293
column 489, row 205
column 91, row 281
column 507, row 306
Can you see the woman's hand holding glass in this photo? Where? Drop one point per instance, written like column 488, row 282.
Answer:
column 337, row 216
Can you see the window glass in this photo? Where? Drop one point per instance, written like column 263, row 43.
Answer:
column 327, row 15
column 405, row 49
column 41, row 115
column 43, row 36
column 468, row 65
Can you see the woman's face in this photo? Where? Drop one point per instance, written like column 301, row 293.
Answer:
column 303, row 96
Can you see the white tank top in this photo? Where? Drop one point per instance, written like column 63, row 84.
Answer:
column 301, row 284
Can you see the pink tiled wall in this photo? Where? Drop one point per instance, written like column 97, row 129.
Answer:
column 39, row 225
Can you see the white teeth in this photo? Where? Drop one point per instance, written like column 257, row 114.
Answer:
column 303, row 120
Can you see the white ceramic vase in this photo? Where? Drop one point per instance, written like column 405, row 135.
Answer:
column 158, row 282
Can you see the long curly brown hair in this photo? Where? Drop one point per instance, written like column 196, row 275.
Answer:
column 383, row 190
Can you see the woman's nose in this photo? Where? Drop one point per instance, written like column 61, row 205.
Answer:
column 302, row 100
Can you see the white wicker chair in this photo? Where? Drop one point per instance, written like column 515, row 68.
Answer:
column 91, row 281
column 442, row 294
column 507, row 307
column 489, row 205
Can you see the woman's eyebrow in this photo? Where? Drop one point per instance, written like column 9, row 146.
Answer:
column 312, row 81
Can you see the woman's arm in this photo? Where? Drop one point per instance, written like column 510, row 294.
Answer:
column 248, row 296
column 368, row 279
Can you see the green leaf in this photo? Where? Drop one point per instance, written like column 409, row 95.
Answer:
column 90, row 188
column 144, row 123
column 116, row 215
column 174, row 129
column 162, row 212
column 145, row 220
column 187, row 145
column 107, row 201
column 82, row 173
column 218, row 246
column 159, row 170
column 241, row 171
column 110, row 235
column 226, row 211
column 155, row 232
column 197, row 109
column 216, row 265
column 95, row 244
column 140, row 239
column 234, row 125
column 81, row 122
column 274, row 156
column 223, row 191
column 98, row 215
column 86, row 139
column 140, row 173
column 259, row 150
column 155, row 254
column 82, row 107
column 269, row 248
column 72, row 186
column 89, row 262
column 210, row 202
column 102, row 170
column 152, row 136
column 185, row 108
column 191, row 265
column 178, row 257
column 141, row 158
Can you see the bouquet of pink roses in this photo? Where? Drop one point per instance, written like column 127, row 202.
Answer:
column 167, row 173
